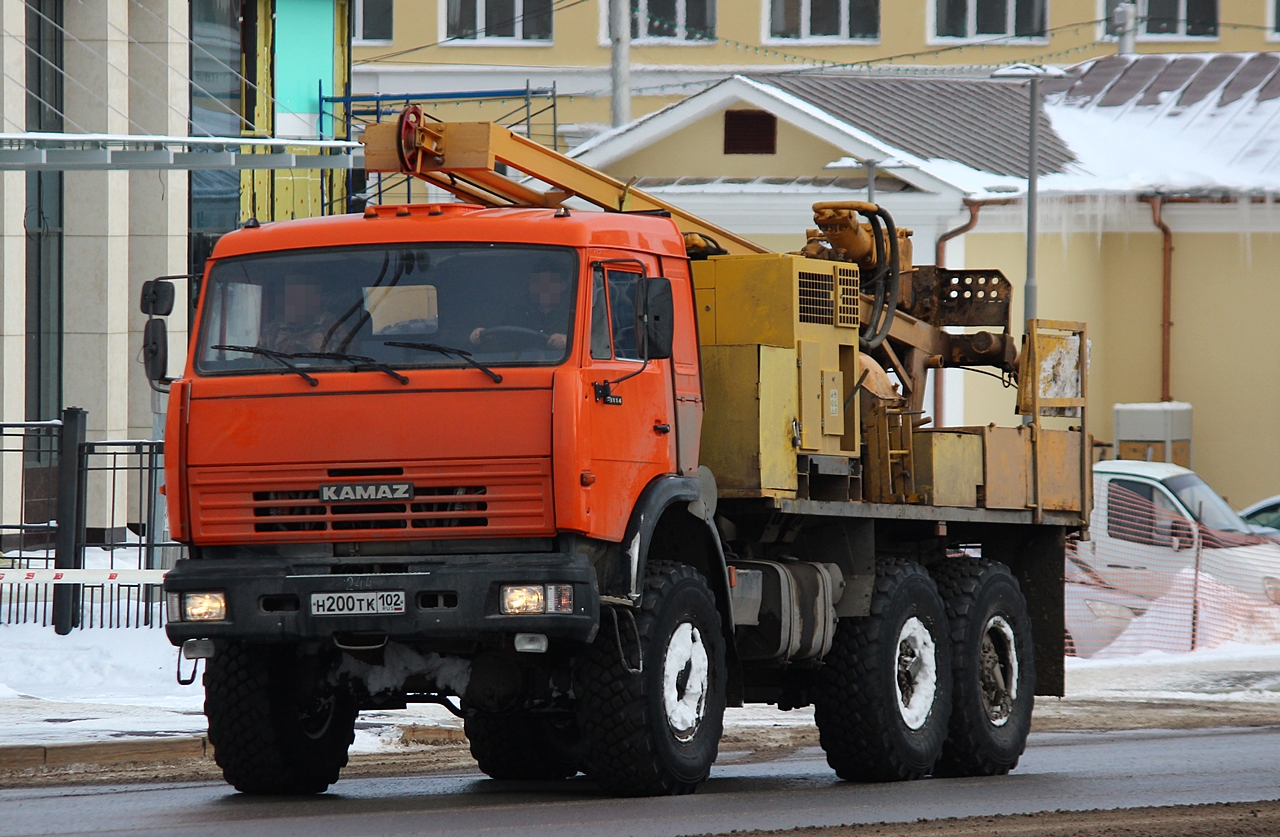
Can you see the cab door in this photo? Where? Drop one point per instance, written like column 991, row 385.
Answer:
column 629, row 401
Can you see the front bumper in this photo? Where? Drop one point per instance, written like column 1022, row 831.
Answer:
column 257, row 589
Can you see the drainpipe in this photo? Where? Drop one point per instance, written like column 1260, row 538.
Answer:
column 940, row 259
column 1166, row 287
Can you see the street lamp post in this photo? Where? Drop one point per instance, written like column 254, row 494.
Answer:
column 1032, row 74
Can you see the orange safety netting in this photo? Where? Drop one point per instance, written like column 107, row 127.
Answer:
column 1148, row 579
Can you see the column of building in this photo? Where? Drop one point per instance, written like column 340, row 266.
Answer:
column 13, row 252
column 97, row 301
column 158, row 104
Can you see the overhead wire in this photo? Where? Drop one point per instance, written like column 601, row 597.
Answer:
column 62, row 71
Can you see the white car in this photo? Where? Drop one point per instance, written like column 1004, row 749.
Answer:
column 1264, row 516
column 1145, row 546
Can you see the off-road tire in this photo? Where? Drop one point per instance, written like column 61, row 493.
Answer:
column 983, row 597
column 525, row 748
column 632, row 747
column 860, row 716
column 262, row 739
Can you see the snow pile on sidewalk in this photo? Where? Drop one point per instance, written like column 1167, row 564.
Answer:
column 1230, row 672
column 91, row 685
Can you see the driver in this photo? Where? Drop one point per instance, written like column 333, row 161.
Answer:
column 303, row 321
column 546, row 312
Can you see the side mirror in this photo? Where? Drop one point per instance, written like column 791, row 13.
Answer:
column 157, row 298
column 155, row 349
column 655, row 318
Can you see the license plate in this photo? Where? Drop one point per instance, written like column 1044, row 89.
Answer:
column 357, row 604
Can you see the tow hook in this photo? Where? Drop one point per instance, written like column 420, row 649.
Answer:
column 195, row 650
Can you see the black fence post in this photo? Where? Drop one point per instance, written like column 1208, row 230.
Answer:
column 66, row 597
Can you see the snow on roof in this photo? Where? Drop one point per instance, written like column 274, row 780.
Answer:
column 1188, row 124
column 1169, row 123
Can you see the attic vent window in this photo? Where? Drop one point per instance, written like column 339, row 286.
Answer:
column 750, row 132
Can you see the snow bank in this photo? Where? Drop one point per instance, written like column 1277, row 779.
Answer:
column 1222, row 615
column 123, row 665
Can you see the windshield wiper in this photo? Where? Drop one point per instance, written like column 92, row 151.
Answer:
column 281, row 358
column 359, row 362
column 449, row 350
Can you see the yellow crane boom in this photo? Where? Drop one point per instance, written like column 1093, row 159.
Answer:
column 462, row 158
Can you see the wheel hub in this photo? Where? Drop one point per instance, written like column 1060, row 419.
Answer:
column 916, row 683
column 998, row 670
column 685, row 675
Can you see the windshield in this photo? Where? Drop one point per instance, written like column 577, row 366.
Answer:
column 448, row 305
column 1205, row 504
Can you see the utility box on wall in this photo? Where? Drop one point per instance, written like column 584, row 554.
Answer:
column 1154, row 432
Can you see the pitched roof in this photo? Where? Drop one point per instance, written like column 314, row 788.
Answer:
column 980, row 123
column 1199, row 122
column 1170, row 124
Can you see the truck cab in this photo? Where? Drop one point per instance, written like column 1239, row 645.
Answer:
column 418, row 390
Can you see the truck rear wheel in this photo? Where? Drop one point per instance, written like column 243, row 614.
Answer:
column 525, row 748
column 276, row 724
column 884, row 690
column 651, row 691
column 992, row 668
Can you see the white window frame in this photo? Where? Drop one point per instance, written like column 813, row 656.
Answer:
column 486, row 40
column 647, row 40
column 1272, row 35
column 1164, row 37
column 769, row 39
column 358, row 14
column 934, row 39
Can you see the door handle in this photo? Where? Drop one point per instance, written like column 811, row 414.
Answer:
column 662, row 428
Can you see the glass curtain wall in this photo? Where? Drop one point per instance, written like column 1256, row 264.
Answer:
column 43, row 220
column 222, row 33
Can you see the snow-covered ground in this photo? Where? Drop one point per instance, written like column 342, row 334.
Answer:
column 119, row 683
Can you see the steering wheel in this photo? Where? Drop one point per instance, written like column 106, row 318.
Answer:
column 516, row 336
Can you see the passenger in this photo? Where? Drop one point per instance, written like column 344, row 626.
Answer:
column 303, row 321
column 546, row 312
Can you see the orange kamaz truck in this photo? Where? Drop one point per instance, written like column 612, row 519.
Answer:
column 587, row 470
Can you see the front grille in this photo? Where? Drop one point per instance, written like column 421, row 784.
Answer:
column 444, row 511
column 501, row 499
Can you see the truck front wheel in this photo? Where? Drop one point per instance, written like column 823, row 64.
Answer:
column 651, row 689
column 884, row 690
column 992, row 665
column 276, row 722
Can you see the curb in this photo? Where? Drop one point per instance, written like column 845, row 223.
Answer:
column 143, row 751
column 28, row 756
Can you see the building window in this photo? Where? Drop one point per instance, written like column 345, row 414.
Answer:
column 510, row 20
column 221, row 30
column 1170, row 18
column 750, row 132
column 373, row 21
column 987, row 18
column 679, row 20
column 43, row 221
column 825, row 19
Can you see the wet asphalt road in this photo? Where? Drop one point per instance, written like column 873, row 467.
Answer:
column 1059, row 771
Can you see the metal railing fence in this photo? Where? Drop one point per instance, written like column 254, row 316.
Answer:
column 71, row 505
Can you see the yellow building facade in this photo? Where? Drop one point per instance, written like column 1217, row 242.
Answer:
column 419, row 46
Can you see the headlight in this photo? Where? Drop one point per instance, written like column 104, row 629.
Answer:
column 537, row 598
column 204, row 607
column 1272, row 586
column 523, row 598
